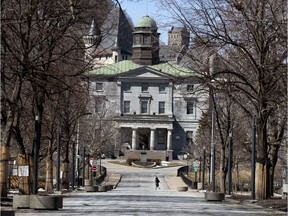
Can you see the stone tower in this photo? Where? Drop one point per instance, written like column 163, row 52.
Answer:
column 178, row 37
column 94, row 36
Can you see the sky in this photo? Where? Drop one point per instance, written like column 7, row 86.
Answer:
column 139, row 8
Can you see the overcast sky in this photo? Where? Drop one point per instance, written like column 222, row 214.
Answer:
column 139, row 8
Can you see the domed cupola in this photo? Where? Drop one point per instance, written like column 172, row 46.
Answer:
column 146, row 42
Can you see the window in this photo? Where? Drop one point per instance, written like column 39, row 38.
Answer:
column 137, row 39
column 144, row 87
column 99, row 86
column 190, row 107
column 99, row 105
column 189, row 137
column 190, row 88
column 146, row 39
column 126, row 107
column 162, row 88
column 144, row 106
column 161, row 107
column 126, row 87
column 161, row 136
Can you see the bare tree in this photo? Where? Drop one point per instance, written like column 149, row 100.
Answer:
column 250, row 39
column 39, row 39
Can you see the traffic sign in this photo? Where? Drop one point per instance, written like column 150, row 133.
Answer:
column 196, row 166
column 93, row 162
column 94, row 168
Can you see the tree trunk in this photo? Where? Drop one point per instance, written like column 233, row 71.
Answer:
column 65, row 176
column 261, row 181
column 4, row 159
column 49, row 175
column 31, row 171
column 261, row 176
column 223, row 171
column 273, row 158
column 24, row 181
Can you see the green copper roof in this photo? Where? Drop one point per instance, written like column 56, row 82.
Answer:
column 146, row 21
column 127, row 65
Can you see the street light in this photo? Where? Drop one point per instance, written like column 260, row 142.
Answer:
column 230, row 163
column 212, row 152
column 58, row 140
column 253, row 158
column 203, row 169
column 73, row 163
column 186, row 158
column 36, row 147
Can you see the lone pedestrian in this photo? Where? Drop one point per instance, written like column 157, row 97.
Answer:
column 157, row 181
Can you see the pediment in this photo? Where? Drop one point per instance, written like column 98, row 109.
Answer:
column 144, row 72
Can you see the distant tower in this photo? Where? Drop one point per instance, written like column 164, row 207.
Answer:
column 146, row 42
column 178, row 37
column 94, row 37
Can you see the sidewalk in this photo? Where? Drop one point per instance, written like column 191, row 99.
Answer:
column 112, row 178
column 175, row 181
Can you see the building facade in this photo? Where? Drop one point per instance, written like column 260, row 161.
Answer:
column 156, row 106
column 111, row 42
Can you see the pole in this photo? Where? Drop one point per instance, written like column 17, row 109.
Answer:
column 230, row 163
column 73, row 164
column 212, row 154
column 213, row 168
column 36, row 153
column 203, row 169
column 100, row 164
column 253, row 158
column 83, row 168
column 58, row 160
column 78, row 167
column 78, row 154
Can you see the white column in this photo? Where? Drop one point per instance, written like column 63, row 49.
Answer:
column 169, row 139
column 134, row 138
column 152, row 139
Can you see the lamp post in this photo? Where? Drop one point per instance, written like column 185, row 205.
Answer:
column 83, row 168
column 253, row 158
column 36, row 147
column 212, row 152
column 203, row 169
column 230, row 162
column 186, row 158
column 73, row 163
column 58, row 160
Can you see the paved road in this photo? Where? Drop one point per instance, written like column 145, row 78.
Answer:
column 136, row 195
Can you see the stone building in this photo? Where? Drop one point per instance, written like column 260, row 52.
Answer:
column 110, row 43
column 178, row 37
column 155, row 105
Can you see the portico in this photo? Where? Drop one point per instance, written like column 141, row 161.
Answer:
column 147, row 133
